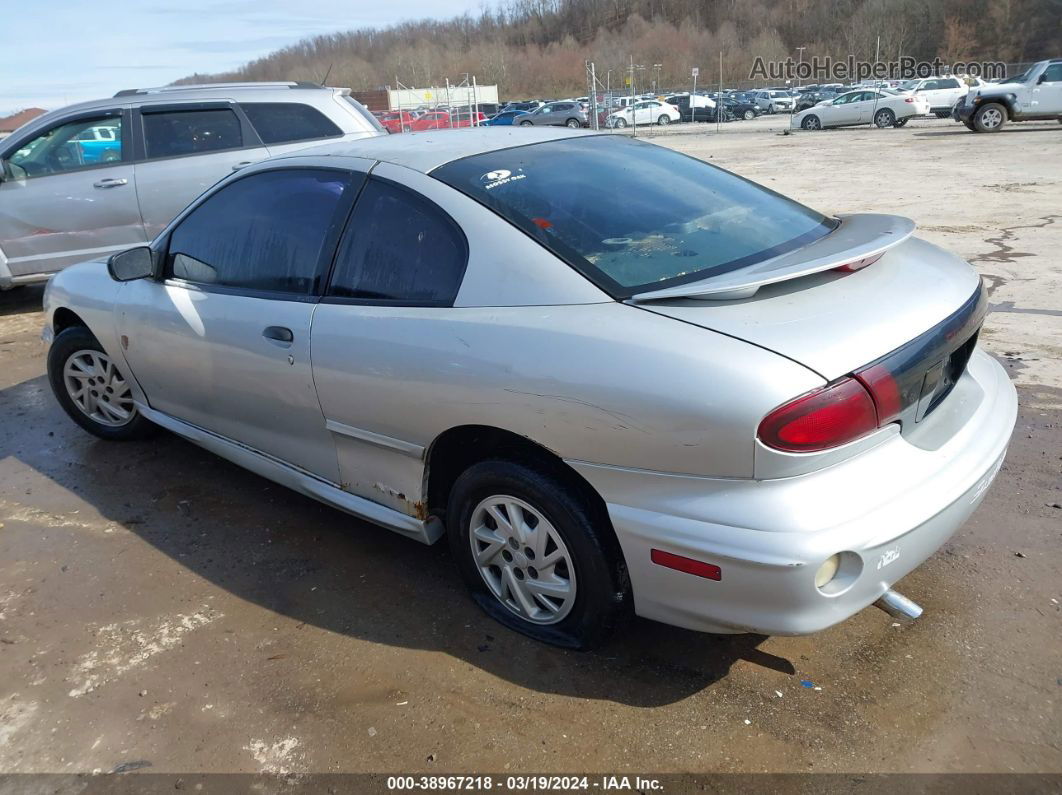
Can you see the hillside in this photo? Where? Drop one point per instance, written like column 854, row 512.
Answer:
column 538, row 47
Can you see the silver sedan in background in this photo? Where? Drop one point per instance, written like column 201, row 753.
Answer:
column 615, row 378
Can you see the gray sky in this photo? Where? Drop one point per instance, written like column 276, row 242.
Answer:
column 66, row 51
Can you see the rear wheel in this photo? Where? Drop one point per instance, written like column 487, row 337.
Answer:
column 91, row 389
column 884, row 118
column 663, row 120
column 573, row 123
column 900, row 122
column 990, row 117
column 535, row 553
column 811, row 122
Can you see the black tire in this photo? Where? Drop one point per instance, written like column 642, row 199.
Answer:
column 811, row 122
column 619, row 124
column 67, row 343
column 990, row 117
column 750, row 115
column 664, row 120
column 884, row 118
column 900, row 122
column 574, row 124
column 602, row 590
column 770, row 108
column 526, row 124
column 970, row 126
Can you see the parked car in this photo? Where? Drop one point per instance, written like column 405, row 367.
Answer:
column 774, row 101
column 1035, row 94
column 398, row 121
column 588, row 441
column 810, row 99
column 468, row 118
column 646, row 112
column 63, row 197
column 506, row 118
column 556, row 114
column 883, row 108
column 430, row 120
column 703, row 111
column 526, row 105
column 738, row 109
column 942, row 92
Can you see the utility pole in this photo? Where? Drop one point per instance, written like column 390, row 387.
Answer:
column 800, row 62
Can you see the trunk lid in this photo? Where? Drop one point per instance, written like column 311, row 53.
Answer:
column 836, row 323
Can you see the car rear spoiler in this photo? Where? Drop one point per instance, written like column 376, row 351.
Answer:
column 858, row 237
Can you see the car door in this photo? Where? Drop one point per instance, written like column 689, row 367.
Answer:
column 289, row 126
column 1048, row 91
column 866, row 105
column 390, row 293
column 184, row 148
column 542, row 116
column 844, row 109
column 65, row 198
column 221, row 340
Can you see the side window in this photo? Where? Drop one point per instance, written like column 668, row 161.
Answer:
column 280, row 122
column 265, row 231
column 1053, row 73
column 400, row 248
column 172, row 133
column 948, row 82
column 71, row 146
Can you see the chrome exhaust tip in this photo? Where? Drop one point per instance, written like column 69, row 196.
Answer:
column 897, row 605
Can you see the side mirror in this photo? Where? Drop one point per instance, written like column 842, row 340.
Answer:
column 1042, row 78
column 131, row 264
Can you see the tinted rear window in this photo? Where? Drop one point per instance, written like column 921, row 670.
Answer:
column 634, row 216
column 279, row 122
column 190, row 132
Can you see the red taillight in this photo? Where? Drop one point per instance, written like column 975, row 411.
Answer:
column 883, row 388
column 688, row 565
column 859, row 264
column 828, row 417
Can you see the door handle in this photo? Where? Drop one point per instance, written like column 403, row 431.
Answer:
column 279, row 334
column 242, row 164
column 110, row 182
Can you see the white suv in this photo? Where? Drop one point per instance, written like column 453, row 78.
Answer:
column 942, row 92
column 103, row 176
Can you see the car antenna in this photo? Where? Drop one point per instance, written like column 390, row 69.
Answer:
column 327, row 73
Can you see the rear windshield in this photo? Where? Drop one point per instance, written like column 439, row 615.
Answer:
column 633, row 216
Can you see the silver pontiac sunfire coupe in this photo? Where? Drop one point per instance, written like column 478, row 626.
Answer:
column 615, row 377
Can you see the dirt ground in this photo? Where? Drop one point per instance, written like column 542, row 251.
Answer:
column 163, row 609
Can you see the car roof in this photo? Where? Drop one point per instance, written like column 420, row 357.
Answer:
column 425, row 151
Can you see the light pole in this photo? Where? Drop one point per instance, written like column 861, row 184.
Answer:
column 800, row 62
column 656, row 80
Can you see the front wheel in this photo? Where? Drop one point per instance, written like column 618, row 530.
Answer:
column 811, row 122
column 525, row 124
column 536, row 554
column 620, row 124
column 663, row 120
column 91, row 389
column 884, row 118
column 749, row 115
column 990, row 117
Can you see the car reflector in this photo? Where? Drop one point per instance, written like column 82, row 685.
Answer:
column 688, row 565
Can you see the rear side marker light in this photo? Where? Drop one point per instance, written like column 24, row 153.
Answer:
column 688, row 565
column 828, row 417
column 859, row 264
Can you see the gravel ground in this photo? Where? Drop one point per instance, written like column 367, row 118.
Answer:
column 163, row 609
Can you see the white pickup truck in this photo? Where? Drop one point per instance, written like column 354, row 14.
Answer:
column 1035, row 94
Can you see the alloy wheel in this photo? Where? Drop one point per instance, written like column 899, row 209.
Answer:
column 97, row 388
column 991, row 118
column 522, row 559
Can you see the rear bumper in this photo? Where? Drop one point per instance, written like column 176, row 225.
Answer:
column 886, row 510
